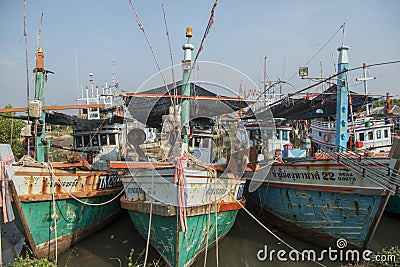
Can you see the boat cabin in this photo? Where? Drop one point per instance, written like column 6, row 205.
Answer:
column 366, row 133
column 102, row 145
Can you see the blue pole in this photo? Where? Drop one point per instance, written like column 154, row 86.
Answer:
column 185, row 113
column 342, row 95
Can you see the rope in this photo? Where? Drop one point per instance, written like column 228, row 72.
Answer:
column 380, row 174
column 170, row 52
column 328, row 79
column 26, row 66
column 54, row 215
column 208, row 228
column 8, row 214
column 320, row 49
column 216, row 222
column 150, row 218
column 151, row 48
column 77, row 199
column 206, row 32
column 270, row 231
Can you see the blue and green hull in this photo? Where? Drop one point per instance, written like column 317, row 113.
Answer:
column 320, row 217
column 319, row 201
column 75, row 221
column 181, row 248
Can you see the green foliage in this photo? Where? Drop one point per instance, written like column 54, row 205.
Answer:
column 132, row 262
column 387, row 257
column 11, row 127
column 382, row 103
column 31, row 262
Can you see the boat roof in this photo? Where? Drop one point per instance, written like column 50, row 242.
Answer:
column 304, row 109
column 149, row 110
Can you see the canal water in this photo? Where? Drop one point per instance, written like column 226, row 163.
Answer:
column 112, row 245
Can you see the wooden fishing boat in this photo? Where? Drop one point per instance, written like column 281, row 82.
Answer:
column 56, row 204
column 179, row 200
column 334, row 194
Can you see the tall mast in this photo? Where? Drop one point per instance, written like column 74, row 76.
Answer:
column 365, row 79
column 42, row 146
column 186, row 66
column 342, row 103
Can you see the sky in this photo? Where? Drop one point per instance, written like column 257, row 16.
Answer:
column 102, row 37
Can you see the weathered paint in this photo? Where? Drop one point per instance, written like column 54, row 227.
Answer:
column 32, row 188
column 201, row 188
column 73, row 217
column 206, row 194
column 181, row 248
column 320, row 201
column 329, row 214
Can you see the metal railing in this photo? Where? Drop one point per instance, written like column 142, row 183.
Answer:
column 373, row 170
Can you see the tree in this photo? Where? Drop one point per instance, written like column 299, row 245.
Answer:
column 10, row 129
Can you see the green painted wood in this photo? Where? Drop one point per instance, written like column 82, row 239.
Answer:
column 163, row 234
column 71, row 216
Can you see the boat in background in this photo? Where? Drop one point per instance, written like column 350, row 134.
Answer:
column 368, row 136
column 56, row 204
column 332, row 195
column 178, row 199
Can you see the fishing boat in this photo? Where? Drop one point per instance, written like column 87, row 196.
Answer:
column 179, row 199
column 334, row 194
column 368, row 135
column 56, row 204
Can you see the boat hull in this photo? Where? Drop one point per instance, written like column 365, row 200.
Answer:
column 211, row 206
column 181, row 248
column 320, row 202
column 81, row 208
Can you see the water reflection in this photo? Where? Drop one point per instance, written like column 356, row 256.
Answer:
column 111, row 246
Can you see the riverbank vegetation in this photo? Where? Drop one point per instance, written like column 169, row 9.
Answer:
column 387, row 257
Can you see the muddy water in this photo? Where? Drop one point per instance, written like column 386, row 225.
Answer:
column 112, row 245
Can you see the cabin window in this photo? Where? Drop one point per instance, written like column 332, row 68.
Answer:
column 103, row 139
column 112, row 139
column 378, row 134
column 285, row 135
column 204, row 143
column 386, row 133
column 78, row 141
column 95, row 140
column 370, row 135
column 86, row 140
column 196, row 142
column 319, row 133
column 361, row 137
column 278, row 136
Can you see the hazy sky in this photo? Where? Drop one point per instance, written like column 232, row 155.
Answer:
column 86, row 36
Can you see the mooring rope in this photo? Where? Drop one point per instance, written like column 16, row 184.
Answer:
column 140, row 24
column 272, row 233
column 77, row 199
column 54, row 215
column 216, row 221
column 150, row 218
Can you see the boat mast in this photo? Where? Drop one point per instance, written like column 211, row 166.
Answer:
column 342, row 103
column 365, row 79
column 41, row 145
column 186, row 67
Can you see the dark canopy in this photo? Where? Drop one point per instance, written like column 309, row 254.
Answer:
column 304, row 109
column 149, row 110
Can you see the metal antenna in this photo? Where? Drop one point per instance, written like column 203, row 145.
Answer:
column 40, row 30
